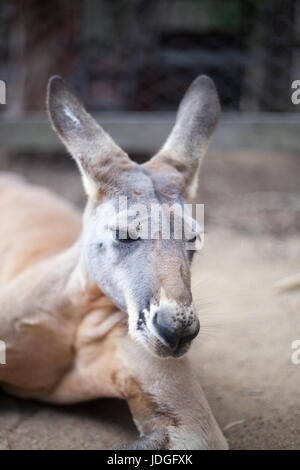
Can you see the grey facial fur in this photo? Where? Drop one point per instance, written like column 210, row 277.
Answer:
column 148, row 277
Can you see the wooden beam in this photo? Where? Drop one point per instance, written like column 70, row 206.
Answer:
column 144, row 133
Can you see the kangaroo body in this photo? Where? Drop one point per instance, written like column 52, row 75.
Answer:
column 67, row 341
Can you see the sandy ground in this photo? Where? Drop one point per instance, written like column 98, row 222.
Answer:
column 243, row 353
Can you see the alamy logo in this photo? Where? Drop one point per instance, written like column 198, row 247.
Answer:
column 2, row 353
column 2, row 92
column 295, row 357
column 154, row 222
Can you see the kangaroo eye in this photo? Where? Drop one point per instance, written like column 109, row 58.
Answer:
column 124, row 237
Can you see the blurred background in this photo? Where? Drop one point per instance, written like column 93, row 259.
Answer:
column 131, row 61
column 140, row 55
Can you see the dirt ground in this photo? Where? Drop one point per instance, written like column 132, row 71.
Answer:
column 243, row 353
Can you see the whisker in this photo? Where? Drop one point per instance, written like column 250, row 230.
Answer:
column 206, row 334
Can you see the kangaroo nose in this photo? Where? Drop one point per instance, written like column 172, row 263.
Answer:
column 174, row 334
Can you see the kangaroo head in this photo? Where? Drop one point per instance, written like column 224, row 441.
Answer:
column 127, row 253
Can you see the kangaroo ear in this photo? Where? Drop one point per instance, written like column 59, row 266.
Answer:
column 99, row 159
column 186, row 146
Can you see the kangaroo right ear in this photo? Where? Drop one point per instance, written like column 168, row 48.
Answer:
column 99, row 158
column 186, row 146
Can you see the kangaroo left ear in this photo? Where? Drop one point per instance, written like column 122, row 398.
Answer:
column 100, row 160
column 186, row 146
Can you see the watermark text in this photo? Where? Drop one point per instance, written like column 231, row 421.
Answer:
column 2, row 353
column 295, row 357
column 2, row 92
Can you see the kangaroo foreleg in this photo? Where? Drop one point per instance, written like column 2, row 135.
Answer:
column 166, row 401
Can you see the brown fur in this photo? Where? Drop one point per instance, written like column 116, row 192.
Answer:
column 66, row 341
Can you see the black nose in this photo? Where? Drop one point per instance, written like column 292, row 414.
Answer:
column 175, row 335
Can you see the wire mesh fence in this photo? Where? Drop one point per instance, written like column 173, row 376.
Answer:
column 142, row 54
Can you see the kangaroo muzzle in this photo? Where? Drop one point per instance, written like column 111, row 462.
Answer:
column 175, row 331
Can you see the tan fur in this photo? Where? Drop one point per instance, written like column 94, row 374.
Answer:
column 66, row 341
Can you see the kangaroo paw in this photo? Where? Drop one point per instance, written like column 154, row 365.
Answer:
column 157, row 440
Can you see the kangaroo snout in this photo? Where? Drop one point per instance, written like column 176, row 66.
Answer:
column 176, row 331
